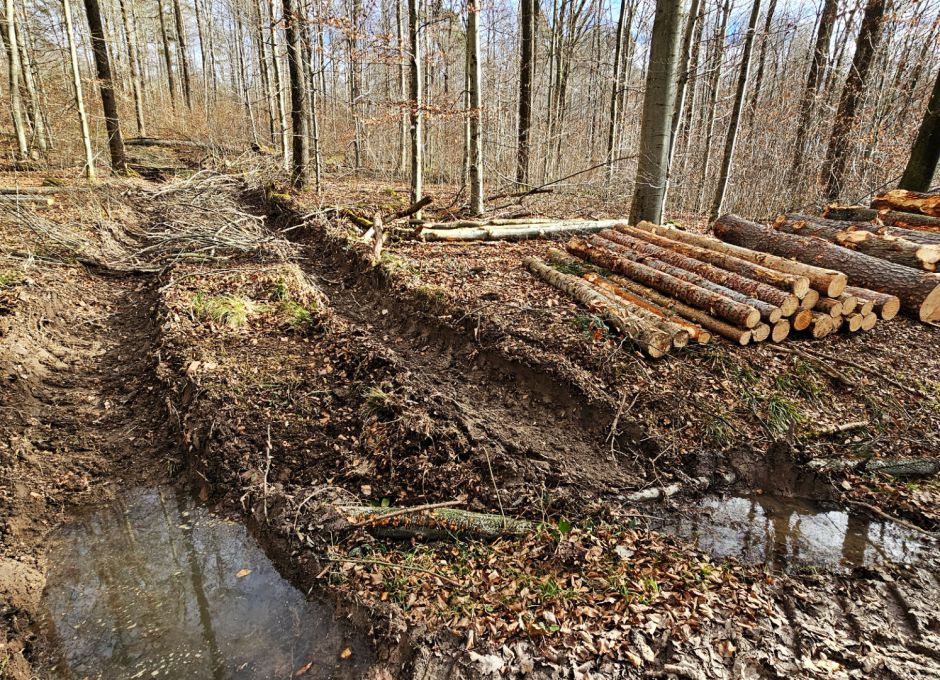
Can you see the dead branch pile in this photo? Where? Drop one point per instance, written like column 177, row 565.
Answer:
column 661, row 286
column 200, row 220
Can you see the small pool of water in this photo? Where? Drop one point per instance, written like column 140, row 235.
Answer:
column 781, row 531
column 158, row 587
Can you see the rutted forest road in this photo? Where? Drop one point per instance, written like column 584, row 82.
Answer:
column 88, row 362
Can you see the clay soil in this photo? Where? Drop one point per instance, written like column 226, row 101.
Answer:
column 298, row 378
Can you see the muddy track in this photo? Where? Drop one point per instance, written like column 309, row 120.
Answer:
column 525, row 419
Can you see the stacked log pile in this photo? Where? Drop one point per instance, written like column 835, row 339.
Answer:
column 689, row 287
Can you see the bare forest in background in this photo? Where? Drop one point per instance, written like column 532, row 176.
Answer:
column 760, row 90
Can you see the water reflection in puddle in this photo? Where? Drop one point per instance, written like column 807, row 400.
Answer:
column 779, row 531
column 155, row 587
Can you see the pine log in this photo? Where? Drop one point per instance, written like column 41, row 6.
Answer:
column 516, row 233
column 918, row 291
column 849, row 303
column 908, row 201
column 869, row 321
column 884, row 246
column 674, row 324
column 765, row 310
column 657, row 235
column 891, row 218
column 716, row 305
column 837, row 323
column 829, row 306
column 780, row 331
column 865, row 307
column 826, row 281
column 884, row 305
column 649, row 338
column 877, row 226
column 760, row 332
column 809, row 302
column 786, row 302
column 802, row 319
column 821, row 325
column 854, row 322
column 717, row 326
column 435, row 524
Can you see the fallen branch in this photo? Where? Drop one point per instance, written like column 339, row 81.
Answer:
column 435, row 524
column 516, row 233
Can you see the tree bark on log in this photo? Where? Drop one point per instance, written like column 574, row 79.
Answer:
column 876, row 225
column 651, row 340
column 787, row 303
column 680, row 329
column 656, row 235
column 919, row 292
column 884, row 305
column 716, row 305
column 436, row 524
column 828, row 282
column 516, row 233
column 908, row 201
column 884, row 246
column 619, row 244
column 891, row 218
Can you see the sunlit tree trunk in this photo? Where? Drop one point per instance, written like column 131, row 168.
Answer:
column 99, row 48
column 79, row 99
column 13, row 66
column 922, row 164
column 615, row 93
column 415, row 87
column 170, row 75
column 181, row 52
column 298, row 110
column 474, row 79
column 133, row 59
column 526, row 75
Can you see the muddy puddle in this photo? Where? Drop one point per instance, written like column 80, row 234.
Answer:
column 784, row 532
column 157, row 587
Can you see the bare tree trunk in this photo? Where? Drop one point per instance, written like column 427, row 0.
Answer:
column 204, row 62
column 402, row 91
column 417, row 132
column 13, row 64
column 264, row 69
column 732, row 136
column 808, row 100
column 99, row 48
column 298, row 110
column 922, row 164
column 355, row 87
column 526, row 76
column 837, row 154
column 170, row 75
column 38, row 141
column 279, row 91
column 134, row 60
column 79, row 99
column 658, row 103
column 762, row 60
column 685, row 57
column 312, row 85
column 181, row 51
column 712, row 104
column 615, row 94
column 476, row 113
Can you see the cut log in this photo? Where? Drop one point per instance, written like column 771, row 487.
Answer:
column 809, row 302
column 716, row 326
column 865, row 307
column 854, row 322
column 838, row 322
column 27, row 199
column 821, row 325
column 715, row 304
column 680, row 329
column 760, row 332
column 928, row 235
column 918, row 291
column 650, row 339
column 891, row 218
column 884, row 246
column 826, row 281
column 908, row 201
column 657, row 235
column 516, row 233
column 780, row 331
column 436, row 524
column 884, row 305
column 802, row 319
column 869, row 321
column 777, row 302
column 904, row 467
column 849, row 303
column 765, row 310
column 829, row 306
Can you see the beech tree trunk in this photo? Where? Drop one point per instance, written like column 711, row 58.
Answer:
column 651, row 340
column 14, row 68
column 925, row 153
column 886, row 247
column 475, row 152
column 908, row 201
column 167, row 58
column 614, row 92
column 526, row 72
column 918, row 292
column 133, row 58
column 415, row 87
column 181, row 52
column 112, row 122
column 298, row 97
column 664, row 279
column 799, row 285
column 79, row 99
column 837, row 155
column 658, row 102
column 827, row 281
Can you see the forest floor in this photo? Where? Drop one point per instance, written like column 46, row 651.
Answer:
column 292, row 376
